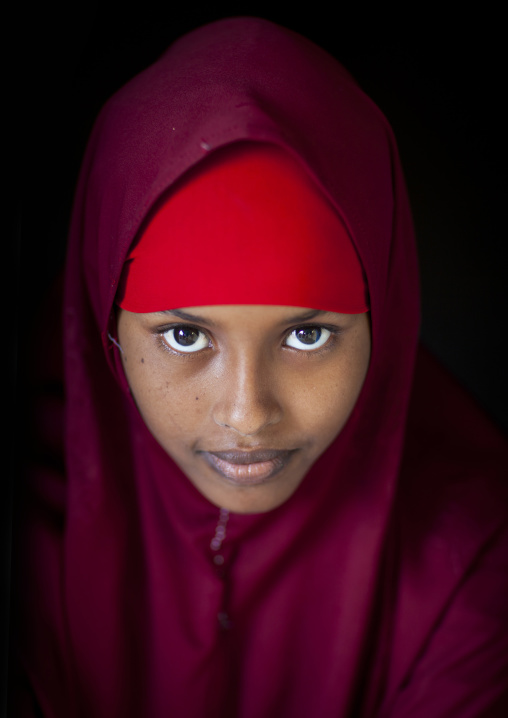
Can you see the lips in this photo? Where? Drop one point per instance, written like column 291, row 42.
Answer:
column 248, row 468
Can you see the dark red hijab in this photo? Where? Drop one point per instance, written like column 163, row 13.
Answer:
column 336, row 603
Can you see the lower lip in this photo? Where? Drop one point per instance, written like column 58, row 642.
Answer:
column 248, row 474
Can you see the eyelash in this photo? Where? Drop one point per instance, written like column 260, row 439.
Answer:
column 329, row 343
column 161, row 331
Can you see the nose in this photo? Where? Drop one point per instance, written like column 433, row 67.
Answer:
column 246, row 401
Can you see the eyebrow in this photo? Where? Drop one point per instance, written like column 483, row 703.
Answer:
column 306, row 316
column 202, row 320
column 188, row 317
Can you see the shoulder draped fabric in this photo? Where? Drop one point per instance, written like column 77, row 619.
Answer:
column 379, row 588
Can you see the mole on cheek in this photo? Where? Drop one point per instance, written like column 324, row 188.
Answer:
column 142, row 360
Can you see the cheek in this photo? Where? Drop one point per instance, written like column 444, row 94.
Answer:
column 325, row 406
column 172, row 405
column 327, row 402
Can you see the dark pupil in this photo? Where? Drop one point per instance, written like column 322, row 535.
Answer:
column 308, row 335
column 186, row 336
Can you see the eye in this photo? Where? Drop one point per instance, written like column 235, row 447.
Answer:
column 307, row 338
column 186, row 339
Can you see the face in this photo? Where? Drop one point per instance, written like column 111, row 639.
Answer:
column 245, row 398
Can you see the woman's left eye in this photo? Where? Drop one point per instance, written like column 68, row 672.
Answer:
column 308, row 338
column 186, row 339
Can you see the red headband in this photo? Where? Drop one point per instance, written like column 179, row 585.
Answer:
column 249, row 227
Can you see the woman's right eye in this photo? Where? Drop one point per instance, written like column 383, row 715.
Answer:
column 186, row 339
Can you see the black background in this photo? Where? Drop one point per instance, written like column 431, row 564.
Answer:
column 436, row 72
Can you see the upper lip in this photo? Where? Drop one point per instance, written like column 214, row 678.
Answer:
column 237, row 456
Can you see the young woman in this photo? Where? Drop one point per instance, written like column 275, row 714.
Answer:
column 264, row 511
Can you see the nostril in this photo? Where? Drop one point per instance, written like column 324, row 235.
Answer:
column 247, row 421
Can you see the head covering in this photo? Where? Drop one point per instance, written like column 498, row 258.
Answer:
column 252, row 228
column 317, row 609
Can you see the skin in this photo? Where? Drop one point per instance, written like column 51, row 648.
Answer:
column 256, row 379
